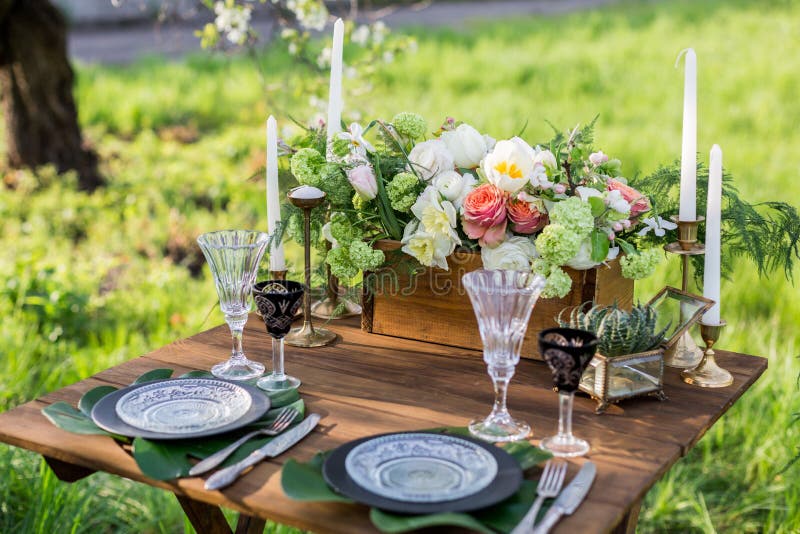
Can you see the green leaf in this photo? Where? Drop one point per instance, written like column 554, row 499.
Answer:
column 386, row 522
column 526, row 454
column 161, row 460
column 92, row 397
column 600, row 245
column 283, row 398
column 65, row 417
column 155, row 374
column 598, row 206
column 627, row 248
column 304, row 481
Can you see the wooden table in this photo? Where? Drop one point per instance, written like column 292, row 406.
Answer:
column 367, row 384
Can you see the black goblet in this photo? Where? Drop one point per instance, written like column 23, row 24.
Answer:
column 278, row 301
column 567, row 352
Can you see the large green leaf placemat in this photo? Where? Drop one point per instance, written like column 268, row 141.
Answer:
column 304, row 482
column 166, row 460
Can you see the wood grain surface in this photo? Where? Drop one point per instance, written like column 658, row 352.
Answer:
column 367, row 384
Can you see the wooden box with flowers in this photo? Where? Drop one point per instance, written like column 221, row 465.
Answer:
column 415, row 214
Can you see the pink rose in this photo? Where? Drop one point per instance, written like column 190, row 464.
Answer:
column 524, row 218
column 484, row 215
column 362, row 178
column 639, row 203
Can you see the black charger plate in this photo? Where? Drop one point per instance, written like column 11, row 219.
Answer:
column 104, row 415
column 504, row 485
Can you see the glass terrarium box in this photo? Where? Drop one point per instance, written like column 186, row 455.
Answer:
column 611, row 379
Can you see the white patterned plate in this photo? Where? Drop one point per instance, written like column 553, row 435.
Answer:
column 421, row 467
column 184, row 406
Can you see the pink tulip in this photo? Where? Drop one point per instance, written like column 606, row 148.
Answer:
column 639, row 203
column 484, row 215
column 524, row 219
column 362, row 178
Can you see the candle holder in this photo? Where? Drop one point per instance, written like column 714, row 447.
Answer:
column 685, row 354
column 708, row 374
column 307, row 335
column 333, row 305
column 278, row 275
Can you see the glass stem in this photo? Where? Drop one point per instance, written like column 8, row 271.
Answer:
column 277, row 358
column 501, row 376
column 565, row 414
column 236, row 351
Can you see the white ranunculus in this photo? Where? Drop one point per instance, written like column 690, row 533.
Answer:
column 583, row 259
column 426, row 248
column 429, row 158
column 466, row 145
column 515, row 253
column 587, row 192
column 508, row 166
column 454, row 186
column 617, row 202
column 436, row 215
column 545, row 157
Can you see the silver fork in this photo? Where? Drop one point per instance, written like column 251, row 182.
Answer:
column 549, row 485
column 281, row 423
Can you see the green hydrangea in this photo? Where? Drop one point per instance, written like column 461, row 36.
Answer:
column 306, row 165
column 403, row 191
column 365, row 257
column 295, row 224
column 642, row 265
column 341, row 264
column 557, row 244
column 343, row 230
column 409, row 124
column 574, row 214
column 334, row 183
column 558, row 281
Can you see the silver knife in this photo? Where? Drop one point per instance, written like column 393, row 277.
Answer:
column 569, row 499
column 225, row 477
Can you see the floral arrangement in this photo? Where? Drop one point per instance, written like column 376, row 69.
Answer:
column 523, row 207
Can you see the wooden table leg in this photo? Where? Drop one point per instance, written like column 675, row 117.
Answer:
column 628, row 523
column 67, row 472
column 205, row 518
column 248, row 524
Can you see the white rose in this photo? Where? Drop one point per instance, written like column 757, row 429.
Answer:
column 454, row 187
column 466, row 145
column 617, row 202
column 508, row 166
column 583, row 259
column 546, row 158
column 515, row 253
column 429, row 158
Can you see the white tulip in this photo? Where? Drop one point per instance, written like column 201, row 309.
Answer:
column 466, row 145
column 429, row 158
column 508, row 166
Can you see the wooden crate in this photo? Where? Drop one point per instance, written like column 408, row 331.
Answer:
column 433, row 305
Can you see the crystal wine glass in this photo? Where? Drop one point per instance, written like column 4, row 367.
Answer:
column 567, row 352
column 233, row 256
column 278, row 301
column 503, row 301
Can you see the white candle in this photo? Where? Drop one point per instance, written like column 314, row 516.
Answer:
column 335, row 91
column 713, row 229
column 688, row 195
column 277, row 261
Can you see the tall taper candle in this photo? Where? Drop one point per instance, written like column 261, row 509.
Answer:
column 335, row 91
column 713, row 238
column 688, row 211
column 276, row 257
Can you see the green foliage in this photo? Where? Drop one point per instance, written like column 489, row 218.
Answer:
column 619, row 332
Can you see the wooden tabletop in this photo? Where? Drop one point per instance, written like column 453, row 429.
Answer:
column 368, row 384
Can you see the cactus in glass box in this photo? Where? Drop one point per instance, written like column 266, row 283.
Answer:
column 619, row 332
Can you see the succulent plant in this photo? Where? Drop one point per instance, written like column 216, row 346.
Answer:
column 618, row 331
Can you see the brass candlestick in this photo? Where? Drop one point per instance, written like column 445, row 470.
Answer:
column 307, row 336
column 685, row 354
column 708, row 374
column 278, row 275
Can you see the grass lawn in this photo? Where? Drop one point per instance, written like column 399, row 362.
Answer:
column 88, row 281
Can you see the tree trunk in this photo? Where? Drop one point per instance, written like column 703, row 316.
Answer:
column 36, row 91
